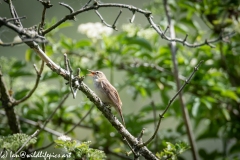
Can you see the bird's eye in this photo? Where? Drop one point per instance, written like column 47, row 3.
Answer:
column 97, row 72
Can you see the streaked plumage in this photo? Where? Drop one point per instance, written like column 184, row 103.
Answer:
column 106, row 92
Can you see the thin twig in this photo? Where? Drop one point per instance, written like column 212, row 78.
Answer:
column 141, row 135
column 25, row 143
column 133, row 17
column 165, row 31
column 69, row 70
column 67, row 6
column 40, row 28
column 14, row 13
column 114, row 24
column 25, row 40
column 45, row 147
column 170, row 102
column 77, row 124
column 99, row 15
column 53, row 113
column 65, row 62
column 70, row 79
column 155, row 123
column 36, row 124
column 95, row 6
column 89, row 111
column 154, row 114
column 17, row 18
column 132, row 150
column 70, row 9
column 35, row 86
column 185, row 113
column 87, row 4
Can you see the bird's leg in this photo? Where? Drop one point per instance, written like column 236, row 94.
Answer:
column 108, row 106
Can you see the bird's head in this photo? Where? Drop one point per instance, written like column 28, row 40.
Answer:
column 97, row 74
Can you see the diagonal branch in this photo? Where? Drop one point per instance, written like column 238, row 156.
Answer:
column 94, row 98
column 185, row 113
column 54, row 112
column 25, row 143
column 35, row 86
column 77, row 124
column 161, row 116
column 14, row 13
column 104, row 22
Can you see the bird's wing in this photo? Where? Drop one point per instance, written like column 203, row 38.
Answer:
column 111, row 93
column 114, row 97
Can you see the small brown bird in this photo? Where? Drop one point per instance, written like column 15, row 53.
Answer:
column 106, row 92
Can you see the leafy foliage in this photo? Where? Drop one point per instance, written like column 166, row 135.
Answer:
column 172, row 150
column 140, row 66
column 79, row 150
column 15, row 141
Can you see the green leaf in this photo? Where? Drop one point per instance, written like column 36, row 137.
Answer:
column 195, row 107
column 19, row 73
column 141, row 42
column 18, row 64
column 28, row 55
column 226, row 114
column 21, row 94
column 82, row 43
column 230, row 94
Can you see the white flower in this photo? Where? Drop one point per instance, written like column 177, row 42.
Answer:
column 130, row 29
column 64, row 138
column 148, row 33
column 94, row 30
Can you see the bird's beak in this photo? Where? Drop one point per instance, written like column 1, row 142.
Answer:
column 92, row 73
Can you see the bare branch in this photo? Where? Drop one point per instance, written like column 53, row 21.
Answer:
column 170, row 102
column 99, row 15
column 77, row 124
column 7, row 103
column 17, row 18
column 165, row 31
column 67, row 6
column 14, row 13
column 185, row 39
column 45, row 147
column 185, row 113
column 16, row 102
column 22, row 42
column 54, row 112
column 141, row 135
column 29, row 33
column 36, row 124
column 69, row 69
column 133, row 17
column 95, row 6
column 25, row 143
column 82, row 119
column 87, row 4
column 132, row 150
column 114, row 24
column 94, row 98
column 70, row 9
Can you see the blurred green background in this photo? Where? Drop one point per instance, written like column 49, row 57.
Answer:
column 139, row 64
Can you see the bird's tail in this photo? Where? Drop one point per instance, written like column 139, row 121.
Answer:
column 121, row 115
